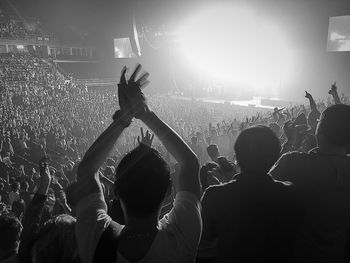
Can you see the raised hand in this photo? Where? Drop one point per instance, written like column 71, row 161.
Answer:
column 136, row 100
column 146, row 140
column 123, row 104
column 45, row 176
column 308, row 95
column 44, row 168
column 333, row 89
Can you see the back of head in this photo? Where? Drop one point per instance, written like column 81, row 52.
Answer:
column 142, row 180
column 334, row 125
column 56, row 241
column 213, row 151
column 257, row 149
column 10, row 229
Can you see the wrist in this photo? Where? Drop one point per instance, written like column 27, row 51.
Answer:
column 122, row 118
column 147, row 114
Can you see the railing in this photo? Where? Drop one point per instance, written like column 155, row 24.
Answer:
column 98, row 82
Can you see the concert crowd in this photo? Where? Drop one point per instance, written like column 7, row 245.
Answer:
column 120, row 176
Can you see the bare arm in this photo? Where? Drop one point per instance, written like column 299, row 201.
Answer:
column 334, row 92
column 88, row 181
column 189, row 173
column 313, row 106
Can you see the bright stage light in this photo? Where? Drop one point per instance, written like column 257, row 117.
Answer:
column 231, row 43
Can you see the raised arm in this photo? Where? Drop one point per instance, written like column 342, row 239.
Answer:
column 33, row 215
column 313, row 106
column 88, row 178
column 334, row 92
column 189, row 173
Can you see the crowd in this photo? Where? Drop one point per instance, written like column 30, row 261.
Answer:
column 79, row 182
column 13, row 27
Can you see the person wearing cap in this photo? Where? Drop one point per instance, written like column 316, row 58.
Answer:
column 322, row 180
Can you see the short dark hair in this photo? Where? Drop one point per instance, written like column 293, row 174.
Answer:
column 10, row 229
column 257, row 149
column 213, row 150
column 142, row 180
column 335, row 124
column 56, row 241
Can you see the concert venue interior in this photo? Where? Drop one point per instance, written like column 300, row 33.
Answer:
column 174, row 131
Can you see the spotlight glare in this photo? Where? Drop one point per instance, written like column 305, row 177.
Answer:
column 230, row 43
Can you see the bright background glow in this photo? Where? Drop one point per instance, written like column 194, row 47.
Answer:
column 232, row 44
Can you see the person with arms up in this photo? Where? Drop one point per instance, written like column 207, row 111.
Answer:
column 142, row 183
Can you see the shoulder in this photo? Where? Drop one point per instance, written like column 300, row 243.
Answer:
column 294, row 155
column 217, row 191
column 291, row 160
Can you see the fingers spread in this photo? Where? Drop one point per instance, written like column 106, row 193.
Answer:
column 136, row 71
column 143, row 78
column 122, row 77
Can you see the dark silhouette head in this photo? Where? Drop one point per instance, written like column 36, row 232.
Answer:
column 10, row 229
column 333, row 129
column 56, row 242
column 257, row 149
column 213, row 152
column 142, row 181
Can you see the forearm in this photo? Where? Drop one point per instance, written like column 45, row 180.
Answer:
column 170, row 139
column 336, row 98
column 313, row 106
column 31, row 224
column 100, row 149
column 188, row 179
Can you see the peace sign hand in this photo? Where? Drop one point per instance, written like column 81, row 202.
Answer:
column 145, row 140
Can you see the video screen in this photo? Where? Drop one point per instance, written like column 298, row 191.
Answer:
column 122, row 48
column 339, row 33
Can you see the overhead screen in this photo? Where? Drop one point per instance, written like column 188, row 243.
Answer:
column 122, row 48
column 339, row 33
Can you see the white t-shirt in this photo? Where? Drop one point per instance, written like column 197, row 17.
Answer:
column 177, row 239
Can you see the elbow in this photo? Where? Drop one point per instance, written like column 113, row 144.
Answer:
column 85, row 168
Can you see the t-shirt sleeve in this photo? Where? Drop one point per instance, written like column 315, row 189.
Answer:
column 184, row 220
column 92, row 220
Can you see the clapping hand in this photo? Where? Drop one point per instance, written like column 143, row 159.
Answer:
column 145, row 140
column 132, row 99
